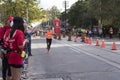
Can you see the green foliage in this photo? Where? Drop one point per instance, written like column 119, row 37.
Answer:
column 19, row 7
column 78, row 14
column 52, row 13
column 87, row 13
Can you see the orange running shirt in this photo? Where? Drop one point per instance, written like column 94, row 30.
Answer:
column 49, row 34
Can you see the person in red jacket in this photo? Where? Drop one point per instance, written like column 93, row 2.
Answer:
column 14, row 39
column 5, row 67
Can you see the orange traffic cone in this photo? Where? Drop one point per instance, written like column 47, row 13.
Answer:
column 85, row 40
column 97, row 42
column 103, row 44
column 114, row 46
column 90, row 41
column 75, row 39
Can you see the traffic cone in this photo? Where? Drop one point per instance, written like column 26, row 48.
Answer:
column 90, row 41
column 114, row 46
column 85, row 40
column 97, row 42
column 103, row 44
column 75, row 39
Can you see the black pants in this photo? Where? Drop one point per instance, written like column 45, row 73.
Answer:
column 29, row 48
column 111, row 36
column 5, row 68
column 48, row 41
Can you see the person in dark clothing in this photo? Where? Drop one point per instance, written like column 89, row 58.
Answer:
column 111, row 32
column 28, row 37
column 29, row 45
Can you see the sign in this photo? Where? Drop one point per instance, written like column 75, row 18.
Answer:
column 57, row 25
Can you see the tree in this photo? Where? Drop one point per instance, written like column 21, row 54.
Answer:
column 106, row 10
column 52, row 13
column 18, row 8
column 77, row 14
column 84, row 13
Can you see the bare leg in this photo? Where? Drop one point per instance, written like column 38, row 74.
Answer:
column 16, row 73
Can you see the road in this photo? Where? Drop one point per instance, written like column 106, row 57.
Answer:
column 70, row 60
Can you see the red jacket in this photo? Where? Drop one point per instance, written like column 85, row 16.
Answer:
column 3, row 30
column 13, row 44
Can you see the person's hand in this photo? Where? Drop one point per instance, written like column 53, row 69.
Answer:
column 26, row 41
column 3, row 51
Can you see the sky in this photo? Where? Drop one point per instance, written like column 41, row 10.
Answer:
column 47, row 4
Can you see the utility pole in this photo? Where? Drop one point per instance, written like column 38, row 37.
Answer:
column 69, row 34
column 65, row 12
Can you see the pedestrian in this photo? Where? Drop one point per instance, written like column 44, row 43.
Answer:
column 29, row 34
column 27, row 40
column 119, row 33
column 6, row 73
column 25, row 59
column 14, row 39
column 111, row 32
column 49, row 38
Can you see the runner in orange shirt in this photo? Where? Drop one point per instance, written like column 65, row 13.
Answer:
column 49, row 38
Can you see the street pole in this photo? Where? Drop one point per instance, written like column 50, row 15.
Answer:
column 65, row 13
column 69, row 34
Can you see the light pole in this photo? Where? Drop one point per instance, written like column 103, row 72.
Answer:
column 69, row 34
column 65, row 6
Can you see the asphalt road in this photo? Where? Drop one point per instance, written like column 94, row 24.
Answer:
column 70, row 60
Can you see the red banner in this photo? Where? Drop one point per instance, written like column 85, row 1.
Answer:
column 57, row 25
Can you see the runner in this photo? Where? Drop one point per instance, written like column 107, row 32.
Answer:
column 48, row 38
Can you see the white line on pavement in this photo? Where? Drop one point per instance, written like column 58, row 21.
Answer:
column 95, row 56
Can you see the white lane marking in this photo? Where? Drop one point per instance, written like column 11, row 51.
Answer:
column 97, row 57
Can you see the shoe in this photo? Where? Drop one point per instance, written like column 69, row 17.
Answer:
column 48, row 50
column 4, row 78
column 30, row 55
